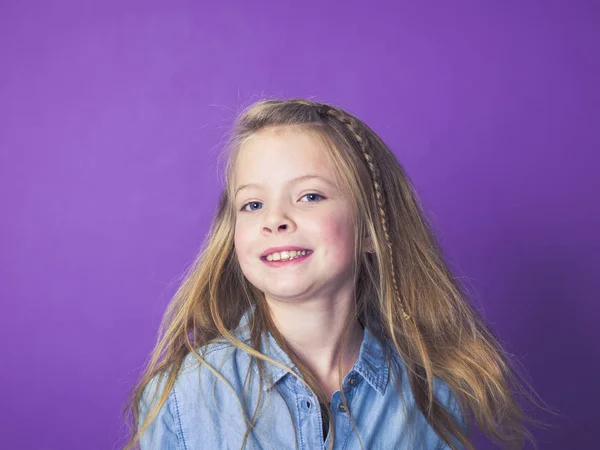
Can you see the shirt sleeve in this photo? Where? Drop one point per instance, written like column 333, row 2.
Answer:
column 459, row 418
column 163, row 431
column 457, row 415
column 448, row 400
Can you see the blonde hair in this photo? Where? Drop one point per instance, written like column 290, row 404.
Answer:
column 404, row 289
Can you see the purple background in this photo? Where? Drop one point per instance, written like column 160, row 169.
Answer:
column 112, row 114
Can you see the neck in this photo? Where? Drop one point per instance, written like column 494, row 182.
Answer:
column 313, row 329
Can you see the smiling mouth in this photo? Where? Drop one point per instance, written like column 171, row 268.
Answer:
column 286, row 255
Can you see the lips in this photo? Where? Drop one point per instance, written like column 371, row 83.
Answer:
column 286, row 258
column 281, row 249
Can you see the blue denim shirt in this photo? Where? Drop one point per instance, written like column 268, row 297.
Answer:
column 203, row 413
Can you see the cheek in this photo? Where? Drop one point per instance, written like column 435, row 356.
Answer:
column 240, row 241
column 338, row 235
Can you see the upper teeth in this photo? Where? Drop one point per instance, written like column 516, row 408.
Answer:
column 292, row 254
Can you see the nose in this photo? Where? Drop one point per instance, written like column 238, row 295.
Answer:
column 276, row 221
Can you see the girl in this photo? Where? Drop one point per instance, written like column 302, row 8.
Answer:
column 320, row 312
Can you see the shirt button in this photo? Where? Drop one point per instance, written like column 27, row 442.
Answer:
column 341, row 407
column 352, row 381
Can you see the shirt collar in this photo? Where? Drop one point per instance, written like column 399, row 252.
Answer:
column 370, row 365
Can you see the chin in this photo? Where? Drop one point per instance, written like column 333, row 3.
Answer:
column 284, row 292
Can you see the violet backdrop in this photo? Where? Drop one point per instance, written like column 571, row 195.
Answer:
column 112, row 115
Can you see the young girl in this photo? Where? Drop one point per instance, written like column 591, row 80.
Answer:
column 320, row 312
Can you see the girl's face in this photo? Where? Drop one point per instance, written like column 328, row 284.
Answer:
column 287, row 198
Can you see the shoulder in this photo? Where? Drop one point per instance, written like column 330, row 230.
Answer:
column 195, row 398
column 211, row 377
column 202, row 365
column 442, row 391
column 221, row 355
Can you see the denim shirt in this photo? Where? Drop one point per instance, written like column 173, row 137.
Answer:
column 201, row 412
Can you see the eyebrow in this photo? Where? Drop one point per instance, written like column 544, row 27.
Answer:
column 292, row 181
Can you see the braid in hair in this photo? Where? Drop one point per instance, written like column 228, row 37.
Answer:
column 357, row 131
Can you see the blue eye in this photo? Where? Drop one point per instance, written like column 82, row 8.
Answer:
column 254, row 206
column 244, row 208
column 314, row 195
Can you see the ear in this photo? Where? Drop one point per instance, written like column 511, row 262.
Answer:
column 368, row 245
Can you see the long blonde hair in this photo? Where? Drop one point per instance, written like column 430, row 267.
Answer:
column 404, row 289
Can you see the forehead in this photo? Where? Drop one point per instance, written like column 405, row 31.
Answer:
column 281, row 152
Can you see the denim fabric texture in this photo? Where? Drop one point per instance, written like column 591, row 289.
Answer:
column 203, row 413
